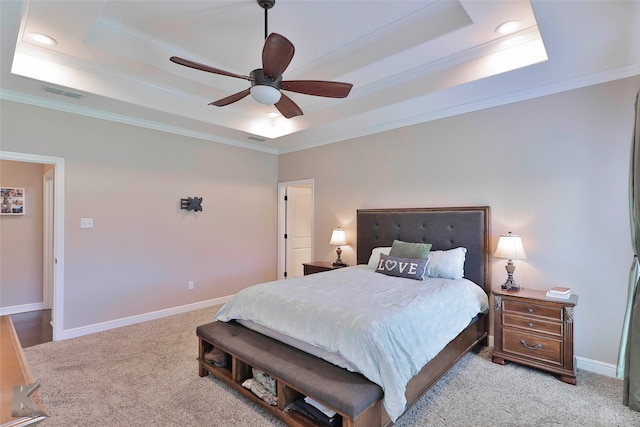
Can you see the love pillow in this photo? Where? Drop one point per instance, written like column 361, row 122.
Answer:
column 410, row 268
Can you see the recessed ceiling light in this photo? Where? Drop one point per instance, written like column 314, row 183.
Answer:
column 508, row 27
column 272, row 114
column 42, row 39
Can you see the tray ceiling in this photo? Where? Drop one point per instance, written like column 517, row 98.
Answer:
column 409, row 61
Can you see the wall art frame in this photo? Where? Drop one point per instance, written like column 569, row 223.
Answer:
column 12, row 201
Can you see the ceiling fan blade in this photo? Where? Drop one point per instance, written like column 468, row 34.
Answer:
column 230, row 99
column 287, row 107
column 318, row 88
column 207, row 68
column 276, row 55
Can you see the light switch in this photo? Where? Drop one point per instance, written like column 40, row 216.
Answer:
column 86, row 222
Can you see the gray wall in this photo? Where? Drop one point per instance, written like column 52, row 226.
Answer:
column 553, row 169
column 143, row 249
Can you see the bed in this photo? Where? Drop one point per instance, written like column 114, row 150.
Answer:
column 404, row 372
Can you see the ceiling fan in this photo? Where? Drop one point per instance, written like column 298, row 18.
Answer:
column 266, row 82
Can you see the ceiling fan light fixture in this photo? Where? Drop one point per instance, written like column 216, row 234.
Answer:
column 265, row 94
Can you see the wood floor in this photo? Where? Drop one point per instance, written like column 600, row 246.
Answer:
column 33, row 327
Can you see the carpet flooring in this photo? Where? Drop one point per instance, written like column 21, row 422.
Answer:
column 146, row 375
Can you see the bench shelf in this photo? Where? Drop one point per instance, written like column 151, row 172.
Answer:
column 237, row 370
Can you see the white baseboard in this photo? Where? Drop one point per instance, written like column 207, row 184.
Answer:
column 596, row 366
column 585, row 364
column 118, row 323
column 15, row 309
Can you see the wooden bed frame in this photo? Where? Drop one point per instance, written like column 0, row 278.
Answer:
column 444, row 228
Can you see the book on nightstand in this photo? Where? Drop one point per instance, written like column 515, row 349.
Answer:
column 559, row 292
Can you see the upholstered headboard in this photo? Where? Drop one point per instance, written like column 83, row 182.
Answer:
column 444, row 228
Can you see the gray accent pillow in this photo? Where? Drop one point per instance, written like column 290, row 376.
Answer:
column 410, row 268
column 402, row 249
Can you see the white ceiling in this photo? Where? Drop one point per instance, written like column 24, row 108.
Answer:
column 409, row 61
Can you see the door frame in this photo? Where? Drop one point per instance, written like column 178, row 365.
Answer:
column 58, row 231
column 282, row 226
column 48, row 264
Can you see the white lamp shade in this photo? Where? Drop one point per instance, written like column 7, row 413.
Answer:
column 510, row 247
column 265, row 94
column 338, row 237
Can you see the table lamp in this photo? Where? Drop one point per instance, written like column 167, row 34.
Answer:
column 510, row 247
column 338, row 237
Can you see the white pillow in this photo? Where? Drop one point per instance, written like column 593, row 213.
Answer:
column 375, row 256
column 446, row 264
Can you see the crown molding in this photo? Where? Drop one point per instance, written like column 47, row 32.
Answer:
column 125, row 119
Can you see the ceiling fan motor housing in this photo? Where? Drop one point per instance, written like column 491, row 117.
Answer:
column 259, row 78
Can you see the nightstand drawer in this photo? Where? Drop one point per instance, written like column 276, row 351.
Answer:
column 552, row 312
column 532, row 346
column 532, row 324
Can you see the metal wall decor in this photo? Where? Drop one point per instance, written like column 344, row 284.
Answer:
column 191, row 204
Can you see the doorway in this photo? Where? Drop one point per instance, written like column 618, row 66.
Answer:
column 56, row 266
column 295, row 227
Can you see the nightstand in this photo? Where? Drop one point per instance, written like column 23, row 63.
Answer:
column 319, row 266
column 534, row 330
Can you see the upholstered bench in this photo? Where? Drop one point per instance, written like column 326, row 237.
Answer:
column 298, row 374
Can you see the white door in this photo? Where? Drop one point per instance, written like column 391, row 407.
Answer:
column 295, row 221
column 298, row 230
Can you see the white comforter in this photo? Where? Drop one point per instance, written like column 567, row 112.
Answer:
column 387, row 327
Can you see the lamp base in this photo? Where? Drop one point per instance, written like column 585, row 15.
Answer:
column 510, row 285
column 338, row 262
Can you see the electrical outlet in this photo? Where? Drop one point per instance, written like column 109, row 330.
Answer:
column 191, row 285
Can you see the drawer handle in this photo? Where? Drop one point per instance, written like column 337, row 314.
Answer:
column 530, row 310
column 530, row 325
column 536, row 347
